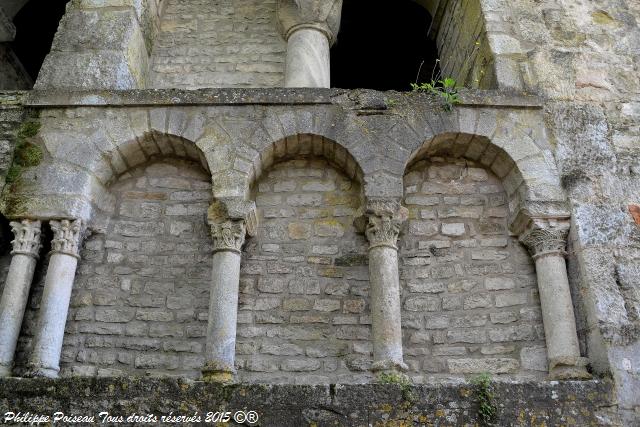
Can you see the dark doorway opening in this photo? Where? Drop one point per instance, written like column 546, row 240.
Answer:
column 36, row 24
column 383, row 45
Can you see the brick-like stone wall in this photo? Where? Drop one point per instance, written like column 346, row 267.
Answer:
column 304, row 305
column 463, row 47
column 469, row 292
column 140, row 299
column 227, row 43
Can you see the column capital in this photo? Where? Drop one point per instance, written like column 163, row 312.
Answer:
column 381, row 222
column 322, row 15
column 27, row 239
column 231, row 220
column 67, row 237
column 546, row 236
column 7, row 29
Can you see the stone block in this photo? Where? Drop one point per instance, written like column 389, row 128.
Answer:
column 474, row 366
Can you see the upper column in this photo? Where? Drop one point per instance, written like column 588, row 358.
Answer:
column 546, row 240
column 310, row 28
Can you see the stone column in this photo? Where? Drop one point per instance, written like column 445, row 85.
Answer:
column 26, row 247
column 309, row 27
column 229, row 228
column 63, row 261
column 381, row 224
column 546, row 241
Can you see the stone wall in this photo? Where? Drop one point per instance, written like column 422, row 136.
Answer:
column 140, row 299
column 463, row 47
column 229, row 43
column 304, row 305
column 469, row 289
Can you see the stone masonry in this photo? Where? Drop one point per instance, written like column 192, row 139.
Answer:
column 469, row 289
column 231, row 42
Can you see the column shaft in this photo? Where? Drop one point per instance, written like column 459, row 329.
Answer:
column 223, row 317
column 45, row 358
column 12, row 307
column 385, row 307
column 230, row 220
column 546, row 240
column 307, row 63
column 26, row 247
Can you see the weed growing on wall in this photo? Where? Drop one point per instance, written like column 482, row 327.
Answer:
column 446, row 89
column 483, row 391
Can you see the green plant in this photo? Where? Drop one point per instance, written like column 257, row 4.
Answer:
column 445, row 88
column 399, row 379
column 26, row 154
column 484, row 394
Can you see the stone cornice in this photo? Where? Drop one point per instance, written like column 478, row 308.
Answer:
column 244, row 96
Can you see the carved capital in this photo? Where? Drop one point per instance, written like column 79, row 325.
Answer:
column 7, row 29
column 322, row 15
column 27, row 239
column 381, row 222
column 231, row 220
column 546, row 237
column 228, row 235
column 67, row 236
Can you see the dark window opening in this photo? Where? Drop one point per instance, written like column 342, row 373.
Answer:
column 36, row 24
column 383, row 45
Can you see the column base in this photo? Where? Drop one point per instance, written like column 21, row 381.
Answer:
column 5, row 371
column 214, row 372
column 389, row 365
column 42, row 372
column 569, row 368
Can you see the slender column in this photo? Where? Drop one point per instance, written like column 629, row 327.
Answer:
column 26, row 247
column 546, row 242
column 228, row 235
column 308, row 61
column 382, row 227
column 54, row 307
column 309, row 27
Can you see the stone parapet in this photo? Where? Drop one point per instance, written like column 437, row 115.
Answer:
column 446, row 404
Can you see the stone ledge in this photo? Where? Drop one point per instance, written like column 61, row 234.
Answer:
column 520, row 403
column 272, row 96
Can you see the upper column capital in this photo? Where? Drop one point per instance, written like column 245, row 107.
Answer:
column 231, row 220
column 381, row 222
column 323, row 15
column 67, row 236
column 7, row 29
column 27, row 239
column 546, row 236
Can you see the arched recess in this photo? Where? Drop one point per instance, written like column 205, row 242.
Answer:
column 469, row 290
column 140, row 298
column 531, row 181
column 303, row 306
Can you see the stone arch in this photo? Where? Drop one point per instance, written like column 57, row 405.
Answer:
column 529, row 178
column 151, row 145
column 307, row 145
